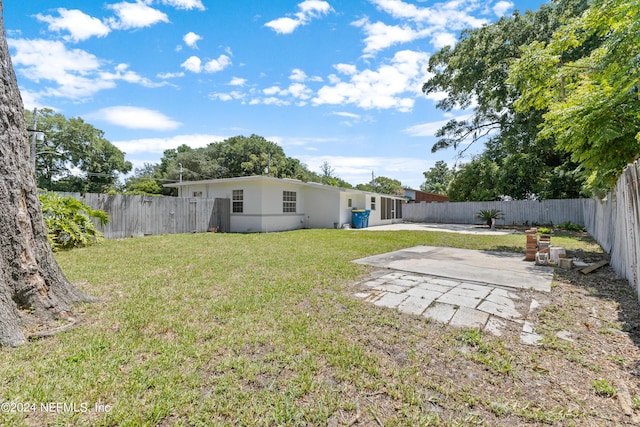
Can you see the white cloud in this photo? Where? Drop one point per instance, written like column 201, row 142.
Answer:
column 185, row 4
column 74, row 73
column 122, row 72
column 380, row 35
column 135, row 118
column 308, row 9
column 191, row 39
column 297, row 75
column 430, row 128
column 300, row 91
column 193, row 64
column 170, row 75
column 273, row 90
column 158, row 145
column 417, row 23
column 347, row 115
column 237, row 81
column 135, row 15
column 392, row 85
column 284, row 25
column 501, row 8
column 79, row 25
column 442, row 39
column 216, row 65
column 234, row 94
column 68, row 73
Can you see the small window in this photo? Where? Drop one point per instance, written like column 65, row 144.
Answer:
column 350, row 203
column 288, row 201
column 238, row 201
column 197, row 194
column 373, row 203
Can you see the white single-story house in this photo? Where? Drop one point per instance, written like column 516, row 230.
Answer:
column 266, row 204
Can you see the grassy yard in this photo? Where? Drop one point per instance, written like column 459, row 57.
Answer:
column 262, row 329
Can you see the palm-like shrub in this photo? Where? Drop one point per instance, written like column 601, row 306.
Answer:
column 490, row 215
column 69, row 222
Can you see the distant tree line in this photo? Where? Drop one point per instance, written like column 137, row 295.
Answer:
column 74, row 156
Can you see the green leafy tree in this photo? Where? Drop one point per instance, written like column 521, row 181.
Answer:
column 437, row 178
column 384, row 185
column 474, row 74
column 73, row 143
column 586, row 81
column 475, row 181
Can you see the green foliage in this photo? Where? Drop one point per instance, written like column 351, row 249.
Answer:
column 604, row 388
column 476, row 71
column 437, row 178
column 69, row 221
column 585, row 81
column 233, row 157
column 70, row 144
column 384, row 185
column 545, row 230
column 490, row 215
column 570, row 226
column 475, row 181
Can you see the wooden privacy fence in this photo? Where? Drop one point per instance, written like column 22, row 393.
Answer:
column 147, row 215
column 515, row 212
column 615, row 224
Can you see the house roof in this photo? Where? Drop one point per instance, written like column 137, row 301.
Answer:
column 254, row 178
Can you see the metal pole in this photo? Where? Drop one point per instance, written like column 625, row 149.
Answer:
column 33, row 138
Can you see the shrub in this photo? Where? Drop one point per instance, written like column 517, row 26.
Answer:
column 545, row 230
column 570, row 226
column 69, row 221
column 489, row 215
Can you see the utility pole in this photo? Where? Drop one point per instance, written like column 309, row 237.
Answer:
column 34, row 136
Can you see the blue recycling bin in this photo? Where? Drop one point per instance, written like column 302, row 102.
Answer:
column 360, row 218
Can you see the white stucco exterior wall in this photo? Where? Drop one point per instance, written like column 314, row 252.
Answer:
column 317, row 206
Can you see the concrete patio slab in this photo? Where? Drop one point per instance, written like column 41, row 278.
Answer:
column 496, row 268
column 459, row 287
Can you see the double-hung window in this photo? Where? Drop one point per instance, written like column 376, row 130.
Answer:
column 237, row 198
column 288, row 201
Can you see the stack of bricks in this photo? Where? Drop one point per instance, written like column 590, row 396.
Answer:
column 544, row 249
column 532, row 244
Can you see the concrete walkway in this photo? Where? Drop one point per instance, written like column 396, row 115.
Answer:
column 492, row 291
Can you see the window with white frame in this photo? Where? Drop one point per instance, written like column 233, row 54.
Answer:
column 197, row 194
column 237, row 198
column 288, row 201
column 373, row 203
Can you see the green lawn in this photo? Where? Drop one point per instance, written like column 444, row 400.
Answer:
column 256, row 329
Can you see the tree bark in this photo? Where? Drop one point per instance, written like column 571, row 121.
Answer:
column 33, row 289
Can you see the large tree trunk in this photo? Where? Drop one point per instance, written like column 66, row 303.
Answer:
column 32, row 287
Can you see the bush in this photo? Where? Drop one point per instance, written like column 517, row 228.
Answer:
column 570, row 226
column 69, row 221
column 490, row 215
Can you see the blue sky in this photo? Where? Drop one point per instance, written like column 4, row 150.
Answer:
column 337, row 81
